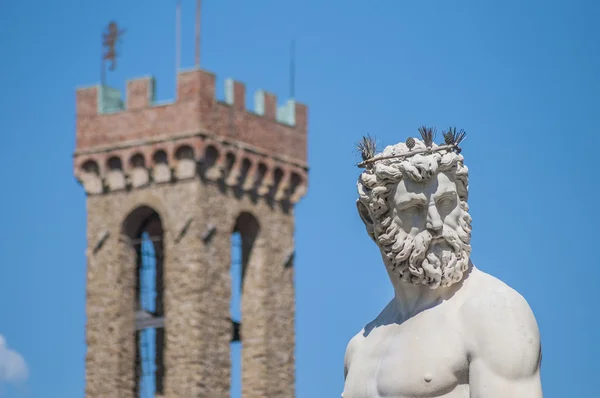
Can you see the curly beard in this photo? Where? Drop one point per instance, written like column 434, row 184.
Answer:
column 425, row 260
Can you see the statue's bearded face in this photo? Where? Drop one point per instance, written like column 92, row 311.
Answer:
column 429, row 231
column 416, row 210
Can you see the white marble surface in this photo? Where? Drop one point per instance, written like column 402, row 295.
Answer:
column 451, row 330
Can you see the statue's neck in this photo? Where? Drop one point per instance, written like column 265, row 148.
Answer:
column 410, row 300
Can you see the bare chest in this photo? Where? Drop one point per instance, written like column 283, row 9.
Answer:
column 420, row 358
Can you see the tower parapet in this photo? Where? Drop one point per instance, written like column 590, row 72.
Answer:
column 132, row 142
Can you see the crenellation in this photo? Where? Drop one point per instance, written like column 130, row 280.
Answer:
column 86, row 102
column 109, row 100
column 287, row 113
column 235, row 94
column 301, row 118
column 104, row 123
column 195, row 84
column 270, row 105
column 259, row 103
column 140, row 93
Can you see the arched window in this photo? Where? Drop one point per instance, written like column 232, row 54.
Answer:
column 145, row 227
column 243, row 236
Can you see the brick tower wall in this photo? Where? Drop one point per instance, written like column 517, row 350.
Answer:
column 200, row 164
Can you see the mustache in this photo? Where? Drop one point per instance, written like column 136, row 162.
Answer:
column 415, row 249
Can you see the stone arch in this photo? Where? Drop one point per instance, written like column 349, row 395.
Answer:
column 184, row 152
column 137, row 160
column 138, row 217
column 211, row 155
column 160, row 157
column 211, row 163
column 248, row 227
column 161, row 172
column 297, row 187
column 138, row 171
column 114, row 163
column 278, row 175
column 91, row 166
column 151, row 201
column 115, row 176
column 230, row 169
column 251, row 171
column 145, row 232
column 90, row 177
column 261, row 172
column 229, row 164
column 229, row 161
column 295, row 182
column 186, row 163
column 242, row 172
column 245, row 169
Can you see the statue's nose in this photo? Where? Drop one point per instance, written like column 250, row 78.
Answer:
column 434, row 221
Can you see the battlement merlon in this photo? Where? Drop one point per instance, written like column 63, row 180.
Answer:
column 105, row 120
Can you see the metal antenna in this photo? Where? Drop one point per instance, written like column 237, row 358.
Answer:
column 198, row 4
column 177, row 37
column 293, row 69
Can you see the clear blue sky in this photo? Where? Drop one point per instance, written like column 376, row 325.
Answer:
column 519, row 77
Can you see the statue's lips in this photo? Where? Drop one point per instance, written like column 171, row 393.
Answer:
column 438, row 245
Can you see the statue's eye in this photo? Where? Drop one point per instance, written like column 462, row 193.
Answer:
column 412, row 208
column 446, row 201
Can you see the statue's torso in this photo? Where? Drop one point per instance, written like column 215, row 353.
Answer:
column 482, row 339
column 423, row 357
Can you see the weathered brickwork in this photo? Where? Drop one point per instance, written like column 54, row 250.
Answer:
column 204, row 172
column 194, row 112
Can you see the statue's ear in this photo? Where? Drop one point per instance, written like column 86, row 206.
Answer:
column 364, row 215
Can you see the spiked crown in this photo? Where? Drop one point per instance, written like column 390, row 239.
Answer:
column 452, row 139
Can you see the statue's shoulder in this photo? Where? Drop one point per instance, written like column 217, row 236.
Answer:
column 488, row 296
column 484, row 291
column 351, row 349
column 355, row 342
column 497, row 318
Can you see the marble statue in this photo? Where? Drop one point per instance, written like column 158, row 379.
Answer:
column 451, row 330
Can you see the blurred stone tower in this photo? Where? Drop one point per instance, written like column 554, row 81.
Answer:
column 167, row 185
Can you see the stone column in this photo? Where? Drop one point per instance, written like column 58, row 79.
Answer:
column 126, row 264
column 196, row 305
column 215, row 302
column 281, row 337
column 183, row 322
column 255, row 321
column 110, row 329
column 183, row 313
